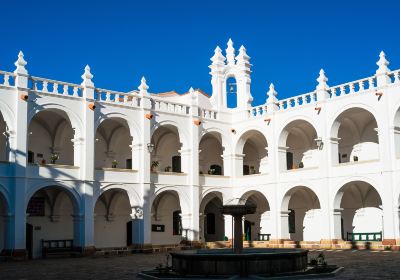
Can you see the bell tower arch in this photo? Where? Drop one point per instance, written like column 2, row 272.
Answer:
column 231, row 75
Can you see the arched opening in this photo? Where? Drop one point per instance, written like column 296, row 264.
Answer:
column 113, row 145
column 49, row 138
column 3, row 222
column 166, row 219
column 304, row 215
column 166, row 155
column 356, row 131
column 210, row 156
column 231, row 93
column 396, row 131
column 256, row 226
column 254, row 147
column 298, row 147
column 112, row 224
column 50, row 213
column 4, row 143
column 360, row 206
column 212, row 223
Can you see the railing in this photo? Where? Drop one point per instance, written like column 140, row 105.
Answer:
column 55, row 87
column 364, row 236
column 8, row 79
column 109, row 96
column 258, row 111
column 394, row 76
column 167, row 106
column 297, row 101
column 264, row 236
column 208, row 114
column 353, row 87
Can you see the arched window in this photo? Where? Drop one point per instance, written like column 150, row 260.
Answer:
column 231, row 92
column 177, row 223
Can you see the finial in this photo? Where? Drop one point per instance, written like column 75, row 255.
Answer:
column 143, row 86
column 218, row 58
column 322, row 79
column 230, row 53
column 271, row 93
column 382, row 63
column 20, row 64
column 242, row 56
column 87, row 77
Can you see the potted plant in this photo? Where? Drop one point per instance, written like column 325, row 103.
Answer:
column 54, row 157
column 301, row 164
column 168, row 169
column 114, row 164
column 211, row 171
column 154, row 165
column 355, row 158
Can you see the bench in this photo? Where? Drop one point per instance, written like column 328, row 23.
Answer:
column 57, row 247
column 264, row 236
column 364, row 236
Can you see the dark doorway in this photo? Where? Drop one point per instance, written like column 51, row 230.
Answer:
column 247, row 230
column 129, row 163
column 29, row 240
column 176, row 164
column 129, row 233
column 246, row 170
column 289, row 160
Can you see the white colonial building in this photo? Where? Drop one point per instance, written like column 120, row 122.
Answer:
column 112, row 169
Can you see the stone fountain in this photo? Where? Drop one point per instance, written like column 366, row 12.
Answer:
column 226, row 263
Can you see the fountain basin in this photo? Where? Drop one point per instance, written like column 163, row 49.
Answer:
column 251, row 261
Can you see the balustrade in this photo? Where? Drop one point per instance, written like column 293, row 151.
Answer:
column 8, row 79
column 42, row 85
column 121, row 98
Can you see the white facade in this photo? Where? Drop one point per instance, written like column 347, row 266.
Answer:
column 329, row 158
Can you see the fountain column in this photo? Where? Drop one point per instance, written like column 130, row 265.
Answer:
column 238, row 234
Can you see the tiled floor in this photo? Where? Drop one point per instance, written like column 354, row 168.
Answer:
column 358, row 265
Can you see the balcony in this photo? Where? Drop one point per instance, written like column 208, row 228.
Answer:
column 168, row 178
column 208, row 180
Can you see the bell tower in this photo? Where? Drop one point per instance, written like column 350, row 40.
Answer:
column 230, row 75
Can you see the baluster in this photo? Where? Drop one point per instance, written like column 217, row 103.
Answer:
column 361, row 85
column 75, row 91
column 126, row 99
column 34, row 85
column 65, row 90
column 371, row 83
column 396, row 77
column 300, row 101
column 44, row 86
column 6, row 80
column 342, row 91
column 55, row 88
column 351, row 88
column 108, row 96
column 333, row 92
column 260, row 111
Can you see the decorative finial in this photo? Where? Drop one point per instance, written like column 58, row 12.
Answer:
column 143, row 86
column 20, row 64
column 87, row 77
column 322, row 79
column 272, row 100
column 230, row 53
column 272, row 92
column 383, row 64
column 218, row 58
column 192, row 93
column 242, row 57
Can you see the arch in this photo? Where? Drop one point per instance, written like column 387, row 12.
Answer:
column 253, row 145
column 396, row 131
column 133, row 127
column 6, row 133
column 134, row 197
column 297, row 144
column 212, row 223
column 224, row 140
column 184, row 200
column 182, row 135
column 8, row 116
column 113, row 214
column 355, row 129
column 211, row 151
column 231, row 91
column 75, row 121
column 360, row 206
column 58, row 125
column 304, row 214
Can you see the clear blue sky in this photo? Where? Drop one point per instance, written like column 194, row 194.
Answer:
column 171, row 42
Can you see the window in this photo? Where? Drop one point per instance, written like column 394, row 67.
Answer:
column 210, row 220
column 31, row 157
column 129, row 163
column 231, row 93
column 292, row 221
column 177, row 223
column 289, row 160
column 176, row 164
column 217, row 170
column 246, row 170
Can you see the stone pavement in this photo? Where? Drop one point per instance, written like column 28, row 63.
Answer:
column 358, row 265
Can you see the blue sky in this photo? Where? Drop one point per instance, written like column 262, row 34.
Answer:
column 171, row 42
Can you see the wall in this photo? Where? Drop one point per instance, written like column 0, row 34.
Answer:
column 210, row 153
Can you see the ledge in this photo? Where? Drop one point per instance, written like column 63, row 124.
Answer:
column 214, row 176
column 117, row 169
column 169, row 173
column 4, row 162
column 255, row 175
column 49, row 165
column 355, row 162
column 300, row 169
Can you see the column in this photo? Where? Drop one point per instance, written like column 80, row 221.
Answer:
column 336, row 224
column 284, row 225
column 228, row 221
column 233, row 165
column 282, row 151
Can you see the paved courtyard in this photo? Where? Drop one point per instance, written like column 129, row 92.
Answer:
column 358, row 265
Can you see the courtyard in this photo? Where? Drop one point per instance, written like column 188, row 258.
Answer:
column 358, row 265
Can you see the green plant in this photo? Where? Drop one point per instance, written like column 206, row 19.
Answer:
column 155, row 163
column 54, row 157
column 301, row 164
column 114, row 164
column 168, row 169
